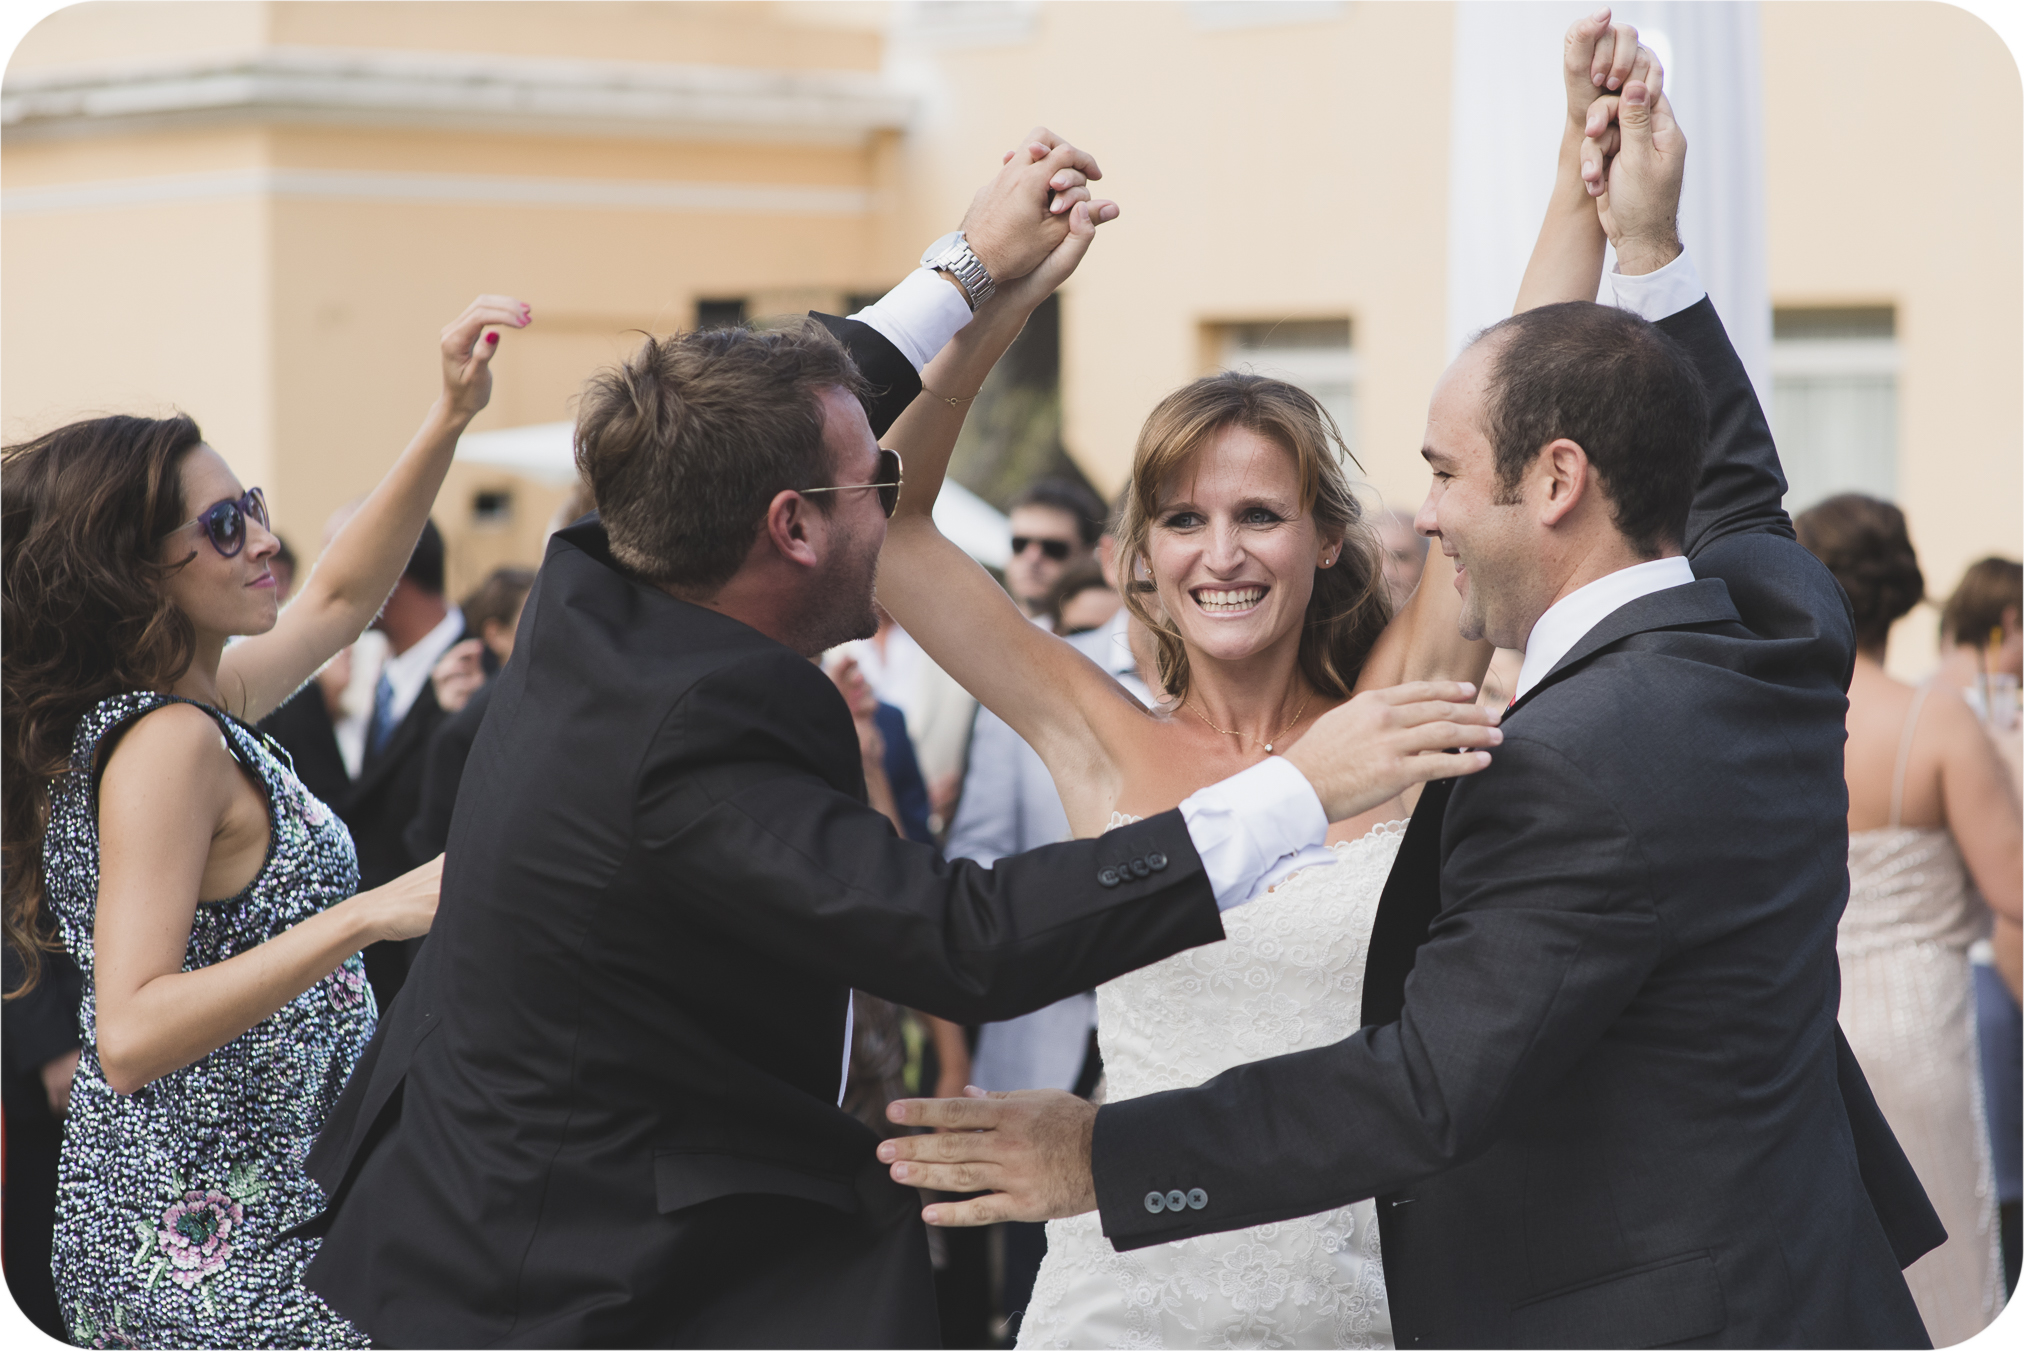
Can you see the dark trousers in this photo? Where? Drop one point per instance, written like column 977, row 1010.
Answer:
column 32, row 1143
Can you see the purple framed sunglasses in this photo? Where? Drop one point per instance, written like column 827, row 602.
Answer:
column 224, row 521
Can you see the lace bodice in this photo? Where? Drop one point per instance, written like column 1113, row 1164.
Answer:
column 1288, row 976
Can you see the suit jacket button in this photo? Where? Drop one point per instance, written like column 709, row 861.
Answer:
column 1108, row 877
column 1156, row 861
column 1197, row 1199
column 1155, row 1202
column 1140, row 868
column 1177, row 1200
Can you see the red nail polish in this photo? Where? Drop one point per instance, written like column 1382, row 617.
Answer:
column 491, row 337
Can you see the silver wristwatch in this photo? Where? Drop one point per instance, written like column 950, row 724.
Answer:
column 951, row 254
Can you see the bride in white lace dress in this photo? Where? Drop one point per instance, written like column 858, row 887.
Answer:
column 1288, row 976
column 1245, row 551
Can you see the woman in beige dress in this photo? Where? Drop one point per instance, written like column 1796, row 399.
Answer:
column 1930, row 808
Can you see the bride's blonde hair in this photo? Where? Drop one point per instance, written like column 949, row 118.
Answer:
column 1349, row 607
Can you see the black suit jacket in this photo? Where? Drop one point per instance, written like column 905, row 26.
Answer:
column 388, row 792
column 1608, row 1105
column 384, row 800
column 603, row 1112
column 303, row 728
column 442, row 774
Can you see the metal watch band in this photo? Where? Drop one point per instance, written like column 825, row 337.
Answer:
column 960, row 263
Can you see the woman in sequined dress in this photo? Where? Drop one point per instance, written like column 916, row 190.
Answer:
column 161, row 840
column 1930, row 808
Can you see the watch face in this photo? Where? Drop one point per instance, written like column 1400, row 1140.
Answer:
column 940, row 247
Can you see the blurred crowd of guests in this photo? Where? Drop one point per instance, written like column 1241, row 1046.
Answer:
column 1931, row 944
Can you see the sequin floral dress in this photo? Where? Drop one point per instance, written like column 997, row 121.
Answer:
column 172, row 1201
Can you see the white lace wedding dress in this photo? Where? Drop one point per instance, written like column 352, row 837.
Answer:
column 1288, row 976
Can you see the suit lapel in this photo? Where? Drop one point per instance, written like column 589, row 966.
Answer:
column 413, row 728
column 1406, row 910
column 1702, row 602
column 1412, row 893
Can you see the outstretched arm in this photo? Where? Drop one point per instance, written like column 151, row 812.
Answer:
column 1063, row 704
column 1423, row 641
column 352, row 579
column 1598, row 59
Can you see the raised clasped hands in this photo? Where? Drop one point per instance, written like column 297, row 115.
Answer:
column 1633, row 154
column 1032, row 222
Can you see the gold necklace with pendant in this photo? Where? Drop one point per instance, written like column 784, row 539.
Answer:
column 1292, row 723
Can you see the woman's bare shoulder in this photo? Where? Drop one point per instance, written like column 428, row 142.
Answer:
column 175, row 740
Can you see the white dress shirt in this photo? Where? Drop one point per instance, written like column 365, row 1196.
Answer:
column 407, row 673
column 1568, row 620
column 918, row 316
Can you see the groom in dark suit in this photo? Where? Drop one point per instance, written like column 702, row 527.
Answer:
column 1600, row 1095
column 604, row 1109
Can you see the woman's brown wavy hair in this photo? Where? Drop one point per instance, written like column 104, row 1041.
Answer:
column 1349, row 607
column 82, row 510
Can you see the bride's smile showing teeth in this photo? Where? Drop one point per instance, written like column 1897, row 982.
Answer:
column 1235, row 601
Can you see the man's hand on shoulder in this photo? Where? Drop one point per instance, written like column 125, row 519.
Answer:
column 1384, row 741
column 1029, row 1151
column 1022, row 214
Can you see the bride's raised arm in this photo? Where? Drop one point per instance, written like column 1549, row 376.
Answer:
column 1062, row 703
column 1423, row 641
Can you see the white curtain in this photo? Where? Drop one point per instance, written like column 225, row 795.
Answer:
column 1507, row 109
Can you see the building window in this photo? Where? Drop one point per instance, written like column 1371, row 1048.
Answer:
column 492, row 508
column 1314, row 354
column 720, row 313
column 1834, row 401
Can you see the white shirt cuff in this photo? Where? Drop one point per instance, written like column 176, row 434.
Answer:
column 1254, row 828
column 918, row 316
column 1661, row 294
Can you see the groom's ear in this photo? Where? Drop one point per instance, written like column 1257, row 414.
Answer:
column 1562, row 470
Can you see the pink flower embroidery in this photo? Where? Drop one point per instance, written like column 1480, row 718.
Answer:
column 314, row 812
column 195, row 1234
column 347, row 988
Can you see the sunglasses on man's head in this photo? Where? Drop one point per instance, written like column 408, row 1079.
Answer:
column 224, row 522
column 1056, row 549
column 885, row 478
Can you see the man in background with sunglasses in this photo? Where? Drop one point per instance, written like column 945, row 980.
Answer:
column 604, row 1110
column 1056, row 523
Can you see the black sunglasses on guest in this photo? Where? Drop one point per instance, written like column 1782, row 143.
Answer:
column 1056, row 549
column 885, row 478
column 224, row 521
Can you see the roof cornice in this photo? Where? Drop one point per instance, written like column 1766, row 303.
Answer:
column 451, row 91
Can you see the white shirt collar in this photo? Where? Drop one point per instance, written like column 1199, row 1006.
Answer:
column 407, row 673
column 1568, row 620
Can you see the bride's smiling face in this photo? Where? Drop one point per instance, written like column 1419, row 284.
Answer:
column 1231, row 549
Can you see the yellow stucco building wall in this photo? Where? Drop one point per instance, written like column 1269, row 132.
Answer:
column 262, row 212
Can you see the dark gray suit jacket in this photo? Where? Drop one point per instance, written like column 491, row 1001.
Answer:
column 1608, row 1105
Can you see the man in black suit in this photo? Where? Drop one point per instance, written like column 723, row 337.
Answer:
column 605, row 1109
column 420, row 626
column 1600, row 1095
